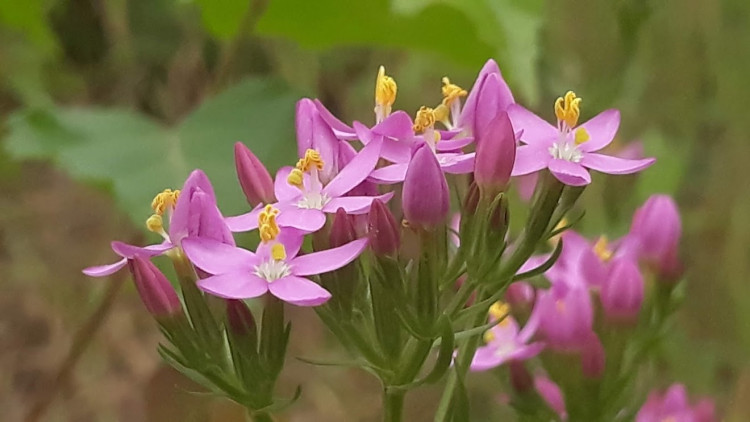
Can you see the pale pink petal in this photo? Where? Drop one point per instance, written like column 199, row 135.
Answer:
column 530, row 159
column 570, row 173
column 327, row 260
column 486, row 358
column 614, row 165
column 601, row 129
column 354, row 204
column 454, row 144
column 283, row 190
column 456, row 164
column 390, row 174
column 130, row 251
column 305, row 219
column 242, row 285
column 535, row 130
column 356, row 171
column 244, row 222
column 105, row 270
column 215, row 257
column 299, row 291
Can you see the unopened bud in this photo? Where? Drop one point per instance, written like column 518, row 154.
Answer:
column 426, row 199
column 657, row 226
column 382, row 230
column 593, row 359
column 496, row 153
column 520, row 377
column 622, row 292
column 240, row 321
column 342, row 229
column 254, row 178
column 155, row 290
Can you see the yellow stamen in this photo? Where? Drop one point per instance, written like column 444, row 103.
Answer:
column 278, row 252
column 568, row 109
column 267, row 226
column 451, row 91
column 155, row 224
column 165, row 199
column 581, row 136
column 441, row 113
column 556, row 238
column 295, row 178
column 385, row 89
column 602, row 250
column 499, row 310
column 425, row 118
column 311, row 158
column 489, row 336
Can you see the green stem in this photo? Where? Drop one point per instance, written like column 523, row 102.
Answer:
column 393, row 405
column 261, row 417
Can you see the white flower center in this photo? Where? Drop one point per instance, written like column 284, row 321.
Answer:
column 272, row 270
column 565, row 150
column 313, row 200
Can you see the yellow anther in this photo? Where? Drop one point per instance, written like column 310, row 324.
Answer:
column 295, row 178
column 155, row 224
column 385, row 89
column 165, row 199
column 568, row 109
column 267, row 226
column 441, row 113
column 499, row 310
column 425, row 118
column 581, row 136
column 602, row 250
column 451, row 91
column 556, row 238
column 278, row 252
column 311, row 158
column 489, row 336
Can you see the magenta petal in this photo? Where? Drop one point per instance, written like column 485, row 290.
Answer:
column 570, row 173
column 328, row 260
column 299, row 291
column 457, row 164
column 390, row 174
column 356, row 171
column 454, row 144
column 283, row 190
column 536, row 131
column 130, row 251
column 340, row 129
column 215, row 257
column 530, row 159
column 398, row 126
column 396, row 151
column 244, row 222
column 305, row 219
column 178, row 224
column 242, row 285
column 614, row 165
column 105, row 270
column 354, row 204
column 601, row 129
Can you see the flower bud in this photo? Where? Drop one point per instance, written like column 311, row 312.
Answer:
column 342, row 229
column 656, row 225
column 155, row 290
column 496, row 153
column 254, row 178
column 382, row 230
column 622, row 292
column 240, row 320
column 426, row 199
column 565, row 318
column 552, row 395
column 493, row 100
column 592, row 357
column 520, row 377
column 313, row 132
column 519, row 295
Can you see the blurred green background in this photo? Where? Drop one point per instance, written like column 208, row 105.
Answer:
column 105, row 102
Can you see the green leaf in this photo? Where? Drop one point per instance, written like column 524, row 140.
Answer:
column 223, row 18
column 27, row 17
column 140, row 157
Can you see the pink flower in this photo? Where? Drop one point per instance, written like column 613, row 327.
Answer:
column 275, row 266
column 425, row 198
column 489, row 96
column 622, row 292
column 674, row 406
column 505, row 342
column 657, row 229
column 566, row 317
column 496, row 152
column 253, row 176
column 569, row 149
column 154, row 289
column 551, row 394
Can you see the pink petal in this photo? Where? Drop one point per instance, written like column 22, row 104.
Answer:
column 328, row 260
column 454, row 144
column 244, row 222
column 105, row 270
column 354, row 204
column 283, row 190
column 356, row 171
column 614, row 165
column 130, row 251
column 456, row 164
column 242, row 285
column 215, row 257
column 340, row 129
column 486, row 358
column 601, row 129
column 308, row 220
column 570, row 173
column 396, row 151
column 397, row 126
column 530, row 159
column 390, row 174
column 299, row 291
column 535, row 130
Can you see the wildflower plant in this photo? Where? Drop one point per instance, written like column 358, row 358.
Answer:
column 415, row 294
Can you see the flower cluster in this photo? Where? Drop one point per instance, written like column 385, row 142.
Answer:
column 358, row 228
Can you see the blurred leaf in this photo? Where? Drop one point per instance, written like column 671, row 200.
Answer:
column 28, row 17
column 439, row 28
column 223, row 18
column 666, row 175
column 141, row 157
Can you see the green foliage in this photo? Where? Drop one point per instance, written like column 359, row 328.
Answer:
column 223, row 18
column 140, row 157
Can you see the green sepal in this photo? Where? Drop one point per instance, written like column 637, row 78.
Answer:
column 546, row 265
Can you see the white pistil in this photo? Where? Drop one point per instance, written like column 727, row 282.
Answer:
column 564, row 150
column 272, row 270
column 313, row 200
